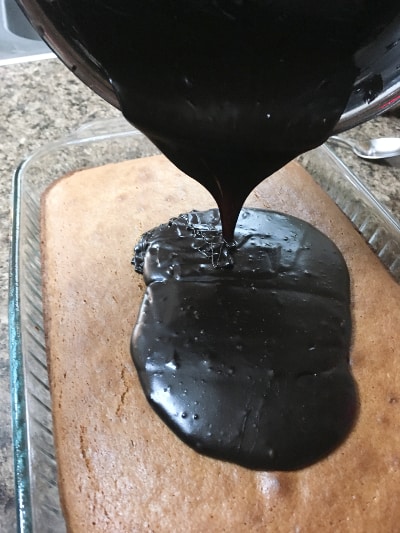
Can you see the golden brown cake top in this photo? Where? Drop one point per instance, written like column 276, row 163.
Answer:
column 120, row 467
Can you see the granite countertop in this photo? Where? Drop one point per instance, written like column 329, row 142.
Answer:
column 41, row 101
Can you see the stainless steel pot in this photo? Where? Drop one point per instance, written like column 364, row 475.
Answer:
column 376, row 90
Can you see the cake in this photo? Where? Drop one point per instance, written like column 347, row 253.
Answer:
column 120, row 468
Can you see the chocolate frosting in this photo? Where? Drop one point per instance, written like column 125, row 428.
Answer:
column 244, row 350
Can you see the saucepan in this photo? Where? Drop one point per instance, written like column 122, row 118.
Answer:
column 375, row 91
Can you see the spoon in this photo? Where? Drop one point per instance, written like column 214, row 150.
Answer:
column 382, row 148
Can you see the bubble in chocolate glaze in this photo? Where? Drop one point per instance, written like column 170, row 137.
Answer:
column 244, row 351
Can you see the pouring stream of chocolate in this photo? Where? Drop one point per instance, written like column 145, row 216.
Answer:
column 229, row 90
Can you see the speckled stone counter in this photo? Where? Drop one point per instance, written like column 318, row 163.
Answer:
column 42, row 101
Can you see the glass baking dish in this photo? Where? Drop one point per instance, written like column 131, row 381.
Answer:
column 98, row 143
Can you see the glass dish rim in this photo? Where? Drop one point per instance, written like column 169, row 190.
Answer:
column 90, row 132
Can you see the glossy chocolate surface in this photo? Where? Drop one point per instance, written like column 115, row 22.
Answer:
column 243, row 351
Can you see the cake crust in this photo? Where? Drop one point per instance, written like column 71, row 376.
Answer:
column 120, row 468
